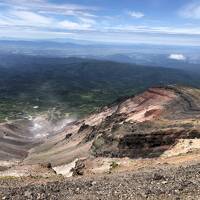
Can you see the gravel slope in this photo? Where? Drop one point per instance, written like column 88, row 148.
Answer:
column 162, row 183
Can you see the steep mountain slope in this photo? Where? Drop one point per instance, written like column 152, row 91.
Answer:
column 159, row 122
column 149, row 144
column 18, row 137
column 15, row 140
column 162, row 121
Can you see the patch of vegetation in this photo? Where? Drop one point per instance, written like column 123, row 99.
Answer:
column 8, row 177
column 113, row 165
column 31, row 85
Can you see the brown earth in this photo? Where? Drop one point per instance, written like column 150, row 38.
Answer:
column 146, row 126
column 144, row 147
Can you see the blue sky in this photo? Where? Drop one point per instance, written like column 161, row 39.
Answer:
column 117, row 21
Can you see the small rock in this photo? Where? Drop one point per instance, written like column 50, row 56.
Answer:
column 158, row 177
column 94, row 183
column 28, row 194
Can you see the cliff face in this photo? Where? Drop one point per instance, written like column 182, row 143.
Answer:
column 160, row 122
column 152, row 139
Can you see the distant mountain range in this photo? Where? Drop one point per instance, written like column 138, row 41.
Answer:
column 150, row 55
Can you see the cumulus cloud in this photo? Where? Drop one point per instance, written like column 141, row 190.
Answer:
column 135, row 14
column 177, row 57
column 191, row 10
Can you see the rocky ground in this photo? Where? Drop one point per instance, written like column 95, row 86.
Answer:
column 143, row 147
column 164, row 182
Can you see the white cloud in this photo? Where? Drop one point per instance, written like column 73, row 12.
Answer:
column 73, row 25
column 30, row 33
column 14, row 18
column 180, row 57
column 45, row 6
column 191, row 10
column 42, row 14
column 31, row 18
column 4, row 21
column 157, row 29
column 135, row 14
column 87, row 20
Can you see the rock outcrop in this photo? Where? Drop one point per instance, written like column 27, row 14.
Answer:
column 143, row 126
column 152, row 139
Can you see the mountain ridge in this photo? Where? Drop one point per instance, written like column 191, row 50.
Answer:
column 151, row 108
column 146, row 139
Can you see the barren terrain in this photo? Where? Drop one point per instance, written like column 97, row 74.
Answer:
column 143, row 147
